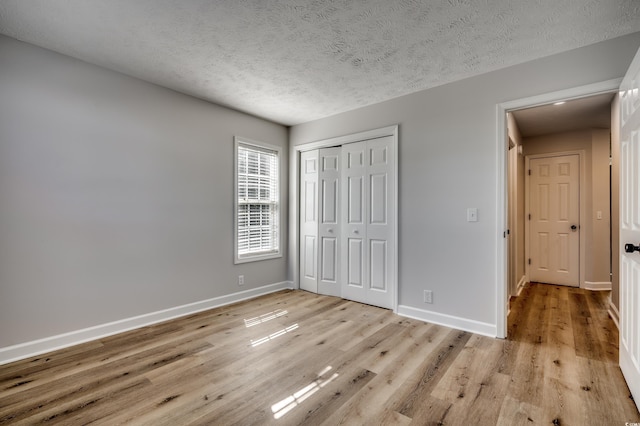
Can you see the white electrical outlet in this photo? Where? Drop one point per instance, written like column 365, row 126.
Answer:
column 240, row 279
column 428, row 296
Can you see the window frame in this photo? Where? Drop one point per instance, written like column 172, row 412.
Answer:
column 263, row 255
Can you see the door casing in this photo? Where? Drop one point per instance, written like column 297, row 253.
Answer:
column 502, row 249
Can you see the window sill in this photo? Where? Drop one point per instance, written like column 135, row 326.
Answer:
column 257, row 257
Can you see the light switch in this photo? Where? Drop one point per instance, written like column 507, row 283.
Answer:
column 472, row 214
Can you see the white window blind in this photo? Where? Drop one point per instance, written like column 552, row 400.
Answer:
column 258, row 201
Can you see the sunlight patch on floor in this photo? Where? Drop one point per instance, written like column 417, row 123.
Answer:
column 281, row 408
column 273, row 336
column 264, row 318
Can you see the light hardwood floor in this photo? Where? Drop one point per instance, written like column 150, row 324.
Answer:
column 297, row 358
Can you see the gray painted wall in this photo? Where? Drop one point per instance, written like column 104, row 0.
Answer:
column 116, row 196
column 448, row 162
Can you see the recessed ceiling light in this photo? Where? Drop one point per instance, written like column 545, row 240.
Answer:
column 559, row 103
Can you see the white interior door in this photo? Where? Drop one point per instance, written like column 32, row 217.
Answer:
column 328, row 221
column 630, row 228
column 368, row 240
column 354, row 229
column 554, row 228
column 309, row 162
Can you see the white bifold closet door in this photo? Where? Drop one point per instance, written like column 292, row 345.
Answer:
column 329, row 222
column 347, row 241
column 367, row 240
column 319, row 221
column 309, row 220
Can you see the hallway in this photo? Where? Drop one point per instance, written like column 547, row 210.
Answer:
column 567, row 358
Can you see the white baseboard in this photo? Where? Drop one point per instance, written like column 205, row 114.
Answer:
column 614, row 314
column 521, row 284
column 28, row 349
column 449, row 321
column 597, row 286
column 519, row 288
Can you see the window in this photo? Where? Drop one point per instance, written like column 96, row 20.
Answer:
column 257, row 201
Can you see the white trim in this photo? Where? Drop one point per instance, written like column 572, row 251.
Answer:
column 519, row 288
column 585, row 91
column 501, row 183
column 36, row 347
column 614, row 313
column 502, row 215
column 451, row 321
column 597, row 286
column 582, row 156
column 355, row 137
column 521, row 284
column 294, row 196
column 237, row 141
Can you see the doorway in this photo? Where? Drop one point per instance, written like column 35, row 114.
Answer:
column 514, row 273
column 567, row 213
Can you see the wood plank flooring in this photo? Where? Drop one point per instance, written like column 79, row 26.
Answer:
column 294, row 358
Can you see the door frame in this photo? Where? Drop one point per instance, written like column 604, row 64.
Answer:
column 294, row 197
column 581, row 204
column 502, row 249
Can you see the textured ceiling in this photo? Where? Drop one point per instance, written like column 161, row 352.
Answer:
column 593, row 112
column 293, row 61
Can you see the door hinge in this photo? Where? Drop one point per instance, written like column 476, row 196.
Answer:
column 529, row 216
column 505, row 233
column 529, row 261
column 529, row 172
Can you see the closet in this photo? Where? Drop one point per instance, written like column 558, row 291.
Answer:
column 347, row 221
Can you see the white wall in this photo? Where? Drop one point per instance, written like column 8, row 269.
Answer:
column 116, row 196
column 448, row 162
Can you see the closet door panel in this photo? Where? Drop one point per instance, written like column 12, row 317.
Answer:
column 355, row 262
column 380, row 228
column 378, row 264
column 329, row 221
column 378, row 204
column 309, row 220
column 353, row 237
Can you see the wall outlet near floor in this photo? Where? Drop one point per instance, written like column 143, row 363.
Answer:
column 428, row 296
column 240, row 279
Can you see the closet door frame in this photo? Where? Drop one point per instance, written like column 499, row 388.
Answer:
column 294, row 198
